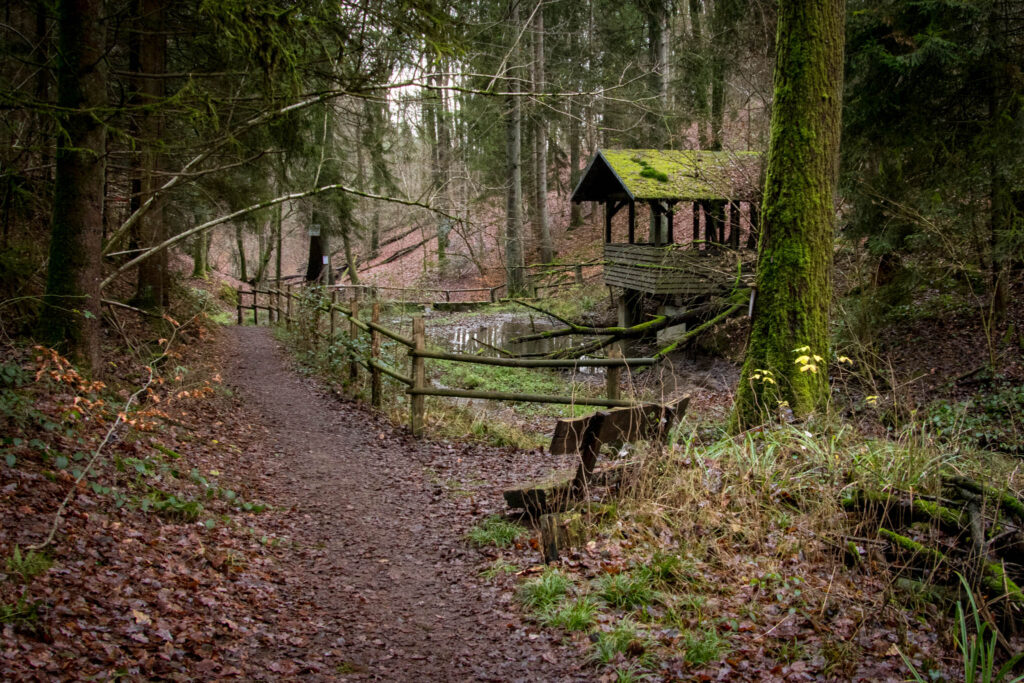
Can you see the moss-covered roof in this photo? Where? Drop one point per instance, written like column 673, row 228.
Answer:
column 683, row 175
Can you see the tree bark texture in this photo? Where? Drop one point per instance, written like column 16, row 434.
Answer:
column 152, row 289
column 514, row 261
column 540, row 145
column 794, row 272
column 71, row 314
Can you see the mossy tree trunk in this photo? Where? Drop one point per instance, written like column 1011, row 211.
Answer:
column 70, row 316
column 794, row 281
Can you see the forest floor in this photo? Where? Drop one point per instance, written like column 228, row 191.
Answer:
column 251, row 524
column 309, row 539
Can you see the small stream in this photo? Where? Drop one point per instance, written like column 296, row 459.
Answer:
column 495, row 331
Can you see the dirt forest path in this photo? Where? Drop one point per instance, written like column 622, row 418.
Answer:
column 385, row 580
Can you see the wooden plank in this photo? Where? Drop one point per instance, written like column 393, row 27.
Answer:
column 642, row 422
column 611, row 362
column 522, row 398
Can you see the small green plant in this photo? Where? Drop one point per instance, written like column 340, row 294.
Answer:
column 28, row 565
column 547, row 589
column 990, row 420
column 977, row 648
column 669, row 569
column 495, row 531
column 172, row 507
column 629, row 674
column 499, row 566
column 628, row 589
column 610, row 643
column 577, row 615
column 22, row 615
column 703, row 646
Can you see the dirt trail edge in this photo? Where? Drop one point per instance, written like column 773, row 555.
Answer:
column 387, row 583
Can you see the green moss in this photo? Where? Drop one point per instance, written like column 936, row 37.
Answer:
column 996, row 581
column 794, row 272
column 912, row 546
column 947, row 518
column 685, row 174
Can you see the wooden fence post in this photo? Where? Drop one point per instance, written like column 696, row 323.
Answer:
column 240, row 294
column 334, row 299
column 255, row 311
column 375, row 386
column 578, row 272
column 419, row 377
column 353, row 332
column 288, row 307
column 611, row 374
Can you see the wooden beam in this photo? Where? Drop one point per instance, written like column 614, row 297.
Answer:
column 632, row 222
column 754, row 211
column 525, row 398
column 671, row 213
column 611, row 362
column 734, row 225
column 696, row 221
column 608, row 213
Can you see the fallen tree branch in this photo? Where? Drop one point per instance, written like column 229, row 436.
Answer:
column 691, row 334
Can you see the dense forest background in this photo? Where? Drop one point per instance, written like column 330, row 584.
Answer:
column 842, row 498
column 199, row 121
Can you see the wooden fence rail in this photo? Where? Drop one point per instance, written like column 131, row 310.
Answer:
column 416, row 382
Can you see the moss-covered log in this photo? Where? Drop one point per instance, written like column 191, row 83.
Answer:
column 996, row 582
column 930, row 556
column 1003, row 499
column 795, row 251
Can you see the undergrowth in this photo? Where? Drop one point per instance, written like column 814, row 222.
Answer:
column 722, row 536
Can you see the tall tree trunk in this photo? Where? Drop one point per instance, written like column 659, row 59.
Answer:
column 200, row 254
column 514, row 262
column 540, row 145
column 575, row 209
column 657, row 55
column 71, row 314
column 350, row 259
column 278, row 220
column 701, row 103
column 243, row 274
column 152, row 291
column 721, row 40
column 794, row 274
column 442, row 158
column 1003, row 106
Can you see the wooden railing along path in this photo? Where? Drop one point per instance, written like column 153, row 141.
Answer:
column 278, row 303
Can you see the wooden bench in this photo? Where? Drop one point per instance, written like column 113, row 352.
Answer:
column 585, row 436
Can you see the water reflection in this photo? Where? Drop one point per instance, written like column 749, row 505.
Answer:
column 497, row 331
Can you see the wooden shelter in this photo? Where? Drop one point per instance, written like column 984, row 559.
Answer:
column 715, row 183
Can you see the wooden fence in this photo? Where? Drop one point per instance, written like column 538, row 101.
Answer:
column 282, row 306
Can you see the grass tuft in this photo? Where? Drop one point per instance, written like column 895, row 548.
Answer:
column 628, row 590
column 495, row 531
column 545, row 591
column 703, row 646
column 577, row 615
